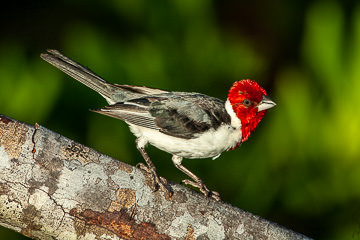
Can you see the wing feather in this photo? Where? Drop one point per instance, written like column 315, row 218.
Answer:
column 129, row 113
column 183, row 115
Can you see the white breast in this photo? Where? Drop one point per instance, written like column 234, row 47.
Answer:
column 209, row 144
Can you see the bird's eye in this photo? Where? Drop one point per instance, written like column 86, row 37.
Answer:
column 246, row 102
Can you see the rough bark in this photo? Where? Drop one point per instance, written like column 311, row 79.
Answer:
column 54, row 188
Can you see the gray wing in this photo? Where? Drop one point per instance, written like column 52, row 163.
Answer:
column 183, row 115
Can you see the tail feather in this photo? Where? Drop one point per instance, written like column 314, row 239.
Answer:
column 113, row 93
column 82, row 74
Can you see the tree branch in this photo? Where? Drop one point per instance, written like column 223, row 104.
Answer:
column 53, row 187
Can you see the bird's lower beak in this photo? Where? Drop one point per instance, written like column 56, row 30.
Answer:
column 265, row 104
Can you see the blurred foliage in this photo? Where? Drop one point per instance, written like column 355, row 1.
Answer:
column 300, row 168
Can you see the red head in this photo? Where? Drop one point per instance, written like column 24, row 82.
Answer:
column 250, row 103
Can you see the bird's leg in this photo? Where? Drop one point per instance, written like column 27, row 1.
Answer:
column 158, row 182
column 198, row 183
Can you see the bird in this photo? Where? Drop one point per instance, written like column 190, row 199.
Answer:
column 185, row 124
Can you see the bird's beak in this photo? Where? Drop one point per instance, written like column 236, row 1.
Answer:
column 265, row 103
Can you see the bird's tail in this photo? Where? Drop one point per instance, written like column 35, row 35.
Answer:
column 113, row 93
column 80, row 73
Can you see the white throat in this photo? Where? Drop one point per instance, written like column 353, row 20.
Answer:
column 235, row 121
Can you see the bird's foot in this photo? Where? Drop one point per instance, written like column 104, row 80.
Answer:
column 158, row 182
column 143, row 167
column 202, row 187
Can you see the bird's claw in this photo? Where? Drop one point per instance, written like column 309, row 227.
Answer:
column 158, row 182
column 202, row 187
column 143, row 167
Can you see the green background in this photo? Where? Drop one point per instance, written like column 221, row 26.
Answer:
column 300, row 168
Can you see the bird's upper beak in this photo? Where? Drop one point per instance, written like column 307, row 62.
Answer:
column 265, row 103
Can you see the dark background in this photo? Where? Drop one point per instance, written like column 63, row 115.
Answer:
column 300, row 168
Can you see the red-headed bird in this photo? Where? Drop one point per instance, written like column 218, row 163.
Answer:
column 184, row 124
